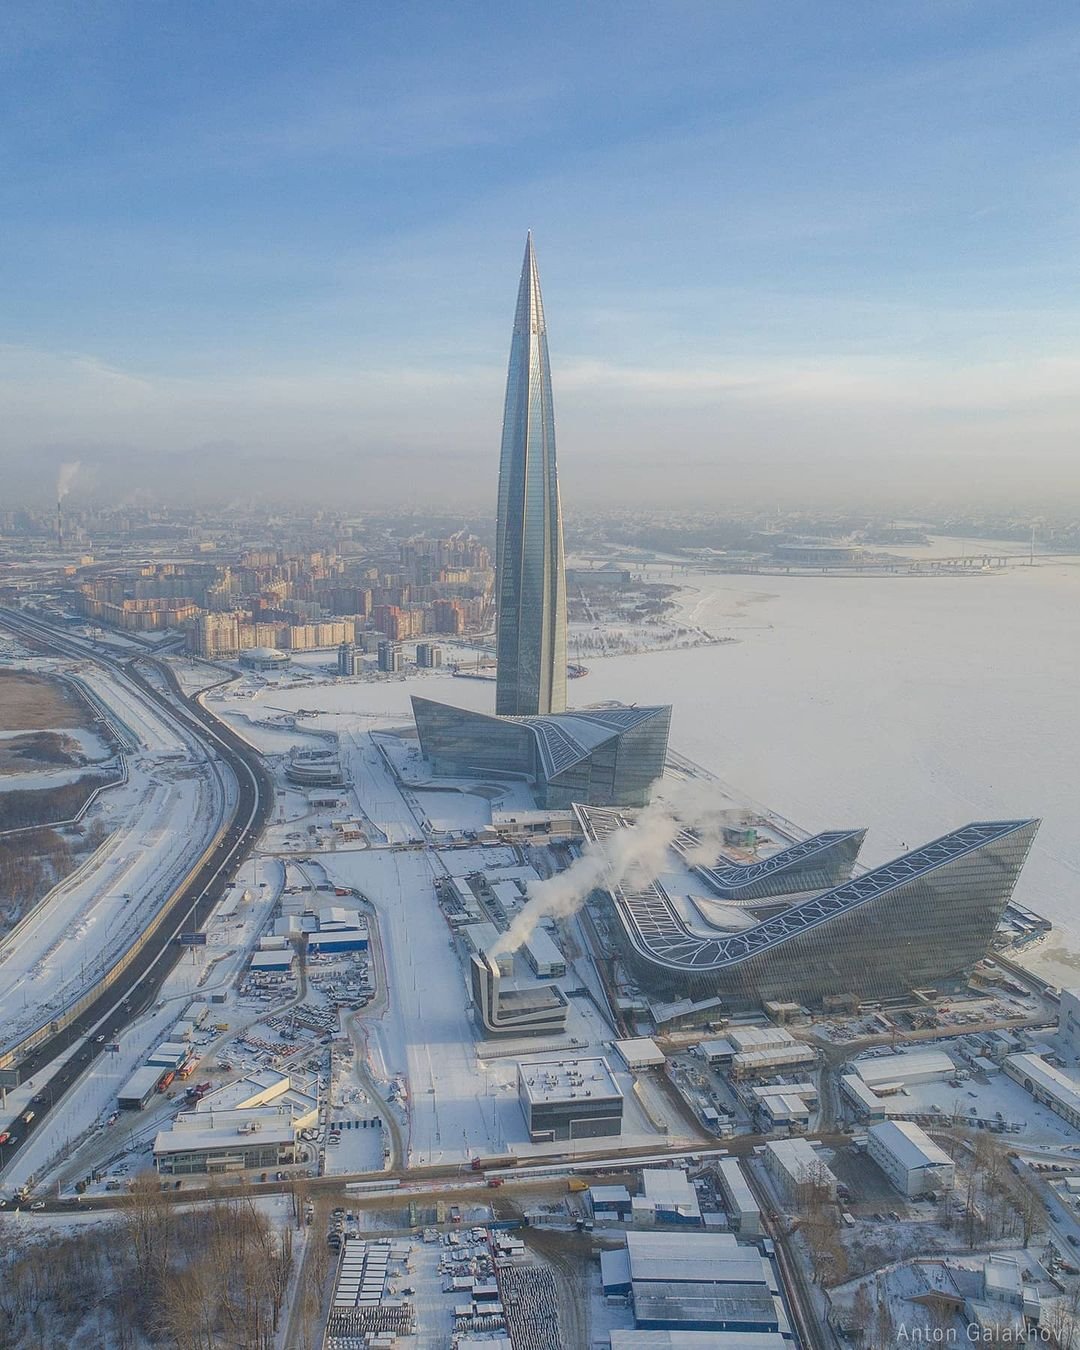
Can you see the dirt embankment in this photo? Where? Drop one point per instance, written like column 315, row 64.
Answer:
column 30, row 702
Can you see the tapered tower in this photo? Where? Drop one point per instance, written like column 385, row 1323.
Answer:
column 530, row 576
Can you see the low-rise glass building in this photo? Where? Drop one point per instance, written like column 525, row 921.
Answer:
column 608, row 756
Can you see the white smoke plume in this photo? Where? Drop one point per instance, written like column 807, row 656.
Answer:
column 636, row 855
column 66, row 477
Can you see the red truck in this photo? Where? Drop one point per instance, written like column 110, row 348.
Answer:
column 166, row 1079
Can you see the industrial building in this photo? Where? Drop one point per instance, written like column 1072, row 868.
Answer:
column 889, row 1073
column 569, row 1099
column 640, row 1053
column 783, row 1111
column 139, row 1088
column 910, row 1158
column 1047, row 1085
column 228, row 1141
column 505, row 1010
column 696, row 1283
column 922, row 919
column 743, row 1210
column 717, row 1052
column 863, row 1100
column 610, row 1204
column 609, row 756
column 274, row 961
column 667, row 1197
column 519, row 827
column 252, row 1122
column 479, row 938
column 545, row 959
column 796, row 1169
column 747, row 1040
column 354, row 939
column 168, row 1055
column 759, row 1063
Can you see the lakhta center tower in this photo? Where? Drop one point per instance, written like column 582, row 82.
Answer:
column 530, row 566
column 606, row 755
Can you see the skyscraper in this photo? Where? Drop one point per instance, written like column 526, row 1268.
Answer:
column 606, row 756
column 530, row 576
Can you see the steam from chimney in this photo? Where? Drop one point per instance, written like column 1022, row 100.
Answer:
column 636, row 855
column 66, row 477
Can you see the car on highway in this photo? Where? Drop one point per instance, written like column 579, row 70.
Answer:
column 98, row 1040
column 38, row 1204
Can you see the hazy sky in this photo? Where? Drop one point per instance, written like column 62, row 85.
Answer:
column 784, row 246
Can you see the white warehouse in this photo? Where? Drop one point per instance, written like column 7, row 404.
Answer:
column 910, row 1158
column 889, row 1073
column 543, row 956
column 796, row 1168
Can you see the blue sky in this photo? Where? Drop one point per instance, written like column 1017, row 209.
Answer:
column 781, row 243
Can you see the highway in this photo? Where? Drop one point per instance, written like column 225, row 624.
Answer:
column 137, row 984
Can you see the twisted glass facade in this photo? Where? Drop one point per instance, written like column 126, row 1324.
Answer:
column 926, row 917
column 530, row 575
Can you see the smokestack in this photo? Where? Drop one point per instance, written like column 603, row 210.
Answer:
column 59, row 526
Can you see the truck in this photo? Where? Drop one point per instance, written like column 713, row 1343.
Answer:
column 482, row 1164
column 166, row 1079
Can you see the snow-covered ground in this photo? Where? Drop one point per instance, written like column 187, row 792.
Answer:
column 160, row 822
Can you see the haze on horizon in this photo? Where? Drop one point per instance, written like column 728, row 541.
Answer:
column 787, row 252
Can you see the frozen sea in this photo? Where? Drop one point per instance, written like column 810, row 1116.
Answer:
column 907, row 704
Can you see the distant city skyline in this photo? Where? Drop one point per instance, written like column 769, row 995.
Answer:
column 794, row 252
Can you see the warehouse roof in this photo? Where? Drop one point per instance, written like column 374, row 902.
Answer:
column 141, row 1082
column 188, row 1140
column 541, row 946
column 736, row 1186
column 705, row 1303
column 911, row 1146
column 903, row 1068
column 641, row 1051
column 758, row 1038
column 1056, row 1084
column 678, row 1258
column 798, row 1159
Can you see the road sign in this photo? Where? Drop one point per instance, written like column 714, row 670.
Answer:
column 112, row 1048
column 192, row 939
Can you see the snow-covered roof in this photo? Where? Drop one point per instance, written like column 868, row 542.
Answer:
column 909, row 1144
column 902, row 1068
column 642, row 1050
